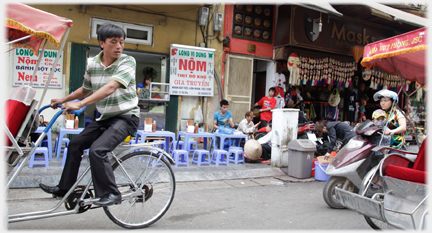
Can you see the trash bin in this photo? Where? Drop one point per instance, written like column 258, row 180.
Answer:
column 300, row 158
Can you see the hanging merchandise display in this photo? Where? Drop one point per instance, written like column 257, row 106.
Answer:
column 382, row 80
column 320, row 71
column 294, row 68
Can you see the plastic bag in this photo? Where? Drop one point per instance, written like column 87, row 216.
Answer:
column 226, row 130
column 334, row 98
column 198, row 117
column 60, row 122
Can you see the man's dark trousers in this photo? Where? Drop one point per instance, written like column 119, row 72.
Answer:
column 101, row 137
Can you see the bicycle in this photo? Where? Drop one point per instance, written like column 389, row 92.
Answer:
column 144, row 178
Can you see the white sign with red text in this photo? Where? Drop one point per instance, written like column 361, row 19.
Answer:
column 191, row 70
column 25, row 62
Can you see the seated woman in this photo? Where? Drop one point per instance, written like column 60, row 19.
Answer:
column 396, row 122
column 336, row 130
column 143, row 90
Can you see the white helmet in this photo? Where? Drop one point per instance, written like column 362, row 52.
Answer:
column 386, row 93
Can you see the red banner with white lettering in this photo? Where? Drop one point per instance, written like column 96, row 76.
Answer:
column 404, row 54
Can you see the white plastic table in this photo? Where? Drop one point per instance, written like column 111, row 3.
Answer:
column 159, row 133
column 62, row 133
column 222, row 137
column 203, row 135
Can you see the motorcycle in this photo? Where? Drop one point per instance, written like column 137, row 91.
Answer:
column 351, row 163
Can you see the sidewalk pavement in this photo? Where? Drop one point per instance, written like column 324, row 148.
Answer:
column 31, row 177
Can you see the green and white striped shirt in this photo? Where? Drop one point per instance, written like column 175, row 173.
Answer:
column 124, row 100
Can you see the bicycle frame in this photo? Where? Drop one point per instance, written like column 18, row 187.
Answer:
column 82, row 201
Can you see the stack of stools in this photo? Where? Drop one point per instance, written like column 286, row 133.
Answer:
column 33, row 160
column 200, row 157
column 180, row 157
column 236, row 155
column 218, row 157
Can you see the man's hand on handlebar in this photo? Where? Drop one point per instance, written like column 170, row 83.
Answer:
column 55, row 102
column 70, row 106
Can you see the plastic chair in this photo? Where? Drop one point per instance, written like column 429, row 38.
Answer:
column 200, row 154
column 66, row 141
column 218, row 157
column 184, row 157
column 237, row 155
column 33, row 160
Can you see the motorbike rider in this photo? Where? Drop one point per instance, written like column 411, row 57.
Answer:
column 336, row 130
column 396, row 122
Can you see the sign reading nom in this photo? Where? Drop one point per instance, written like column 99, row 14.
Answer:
column 191, row 70
column 25, row 62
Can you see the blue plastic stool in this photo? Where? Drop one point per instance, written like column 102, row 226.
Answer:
column 174, row 145
column 87, row 121
column 33, row 160
column 180, row 157
column 162, row 146
column 64, row 156
column 201, row 157
column 191, row 144
column 66, row 141
column 237, row 155
column 218, row 157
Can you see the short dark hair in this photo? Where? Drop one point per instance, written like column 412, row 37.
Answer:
column 272, row 89
column 148, row 77
column 223, row 102
column 108, row 30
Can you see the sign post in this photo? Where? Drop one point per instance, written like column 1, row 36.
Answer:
column 191, row 70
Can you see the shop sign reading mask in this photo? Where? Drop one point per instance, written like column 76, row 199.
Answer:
column 191, row 70
column 25, row 62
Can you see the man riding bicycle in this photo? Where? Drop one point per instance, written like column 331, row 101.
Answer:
column 110, row 81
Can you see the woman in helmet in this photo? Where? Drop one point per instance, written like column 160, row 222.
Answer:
column 396, row 122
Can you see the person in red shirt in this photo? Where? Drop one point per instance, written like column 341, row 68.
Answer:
column 267, row 103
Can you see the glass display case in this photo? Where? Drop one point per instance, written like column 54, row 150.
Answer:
column 155, row 106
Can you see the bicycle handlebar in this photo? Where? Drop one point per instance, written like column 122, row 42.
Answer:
column 48, row 127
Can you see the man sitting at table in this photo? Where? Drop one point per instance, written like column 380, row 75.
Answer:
column 266, row 144
column 246, row 126
column 222, row 118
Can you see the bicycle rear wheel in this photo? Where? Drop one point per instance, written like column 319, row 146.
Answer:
column 143, row 207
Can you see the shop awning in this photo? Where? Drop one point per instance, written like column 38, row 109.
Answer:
column 323, row 7
column 404, row 54
column 387, row 12
column 25, row 21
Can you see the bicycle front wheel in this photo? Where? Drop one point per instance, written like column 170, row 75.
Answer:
column 156, row 186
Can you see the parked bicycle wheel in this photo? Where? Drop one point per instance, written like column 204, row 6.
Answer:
column 156, row 186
